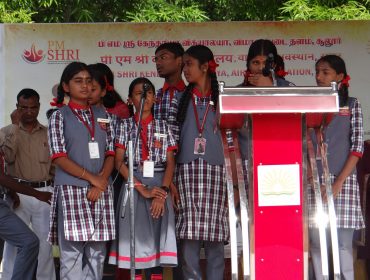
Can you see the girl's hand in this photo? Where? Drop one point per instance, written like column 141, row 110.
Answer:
column 154, row 192
column 336, row 188
column 157, row 208
column 99, row 182
column 175, row 197
column 94, row 194
column 259, row 80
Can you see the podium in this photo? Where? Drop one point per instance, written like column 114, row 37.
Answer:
column 274, row 218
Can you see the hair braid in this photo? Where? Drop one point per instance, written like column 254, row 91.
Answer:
column 343, row 95
column 184, row 103
column 214, row 89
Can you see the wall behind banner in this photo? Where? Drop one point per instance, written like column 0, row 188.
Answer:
column 34, row 55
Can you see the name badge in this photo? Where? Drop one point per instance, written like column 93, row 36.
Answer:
column 102, row 120
column 148, row 169
column 94, row 150
column 200, row 146
column 160, row 135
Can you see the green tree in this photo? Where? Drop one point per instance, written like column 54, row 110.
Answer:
column 324, row 10
column 14, row 15
column 180, row 10
column 165, row 11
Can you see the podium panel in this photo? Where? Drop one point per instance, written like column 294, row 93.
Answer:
column 278, row 225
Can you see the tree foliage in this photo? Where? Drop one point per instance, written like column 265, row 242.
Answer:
column 324, row 10
column 48, row 11
column 164, row 11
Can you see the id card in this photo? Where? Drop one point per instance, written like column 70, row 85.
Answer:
column 200, row 146
column 148, row 169
column 94, row 150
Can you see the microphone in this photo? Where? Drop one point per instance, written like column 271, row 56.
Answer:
column 269, row 65
column 146, row 88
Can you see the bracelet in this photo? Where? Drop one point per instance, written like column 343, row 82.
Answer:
column 140, row 184
column 83, row 173
column 166, row 189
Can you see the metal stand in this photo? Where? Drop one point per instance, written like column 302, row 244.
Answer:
column 273, row 75
column 131, row 188
column 244, row 219
column 244, row 216
column 232, row 215
column 320, row 211
column 331, row 208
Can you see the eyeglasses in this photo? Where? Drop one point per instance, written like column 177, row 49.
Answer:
column 26, row 108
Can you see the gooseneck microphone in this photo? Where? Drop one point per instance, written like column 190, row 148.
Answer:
column 266, row 71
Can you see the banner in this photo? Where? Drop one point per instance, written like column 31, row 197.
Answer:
column 36, row 54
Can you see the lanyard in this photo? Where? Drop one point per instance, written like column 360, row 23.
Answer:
column 145, row 151
column 200, row 127
column 90, row 129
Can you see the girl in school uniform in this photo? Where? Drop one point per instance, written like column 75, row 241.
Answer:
column 155, row 239
column 101, row 92
column 258, row 55
column 81, row 144
column 200, row 178
column 344, row 140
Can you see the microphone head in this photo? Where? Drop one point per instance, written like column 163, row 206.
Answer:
column 146, row 87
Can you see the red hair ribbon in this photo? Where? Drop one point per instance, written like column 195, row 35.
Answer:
column 108, row 86
column 281, row 73
column 212, row 65
column 55, row 103
column 345, row 81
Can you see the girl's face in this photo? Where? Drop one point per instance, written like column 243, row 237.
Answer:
column 325, row 74
column 79, row 87
column 193, row 71
column 257, row 64
column 136, row 96
column 96, row 93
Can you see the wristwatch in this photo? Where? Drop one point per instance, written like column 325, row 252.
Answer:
column 166, row 189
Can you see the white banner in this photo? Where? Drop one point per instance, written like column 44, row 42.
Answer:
column 35, row 54
column 2, row 82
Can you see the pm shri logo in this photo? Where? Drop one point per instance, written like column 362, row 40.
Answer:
column 33, row 55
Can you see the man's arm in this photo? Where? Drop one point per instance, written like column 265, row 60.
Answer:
column 8, row 142
column 8, row 182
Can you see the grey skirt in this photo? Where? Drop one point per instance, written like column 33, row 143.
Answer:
column 155, row 240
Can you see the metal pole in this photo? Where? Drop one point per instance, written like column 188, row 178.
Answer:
column 244, row 216
column 331, row 207
column 319, row 206
column 232, row 215
column 132, row 209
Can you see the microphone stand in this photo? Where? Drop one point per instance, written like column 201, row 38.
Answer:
column 273, row 75
column 269, row 69
column 131, row 185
